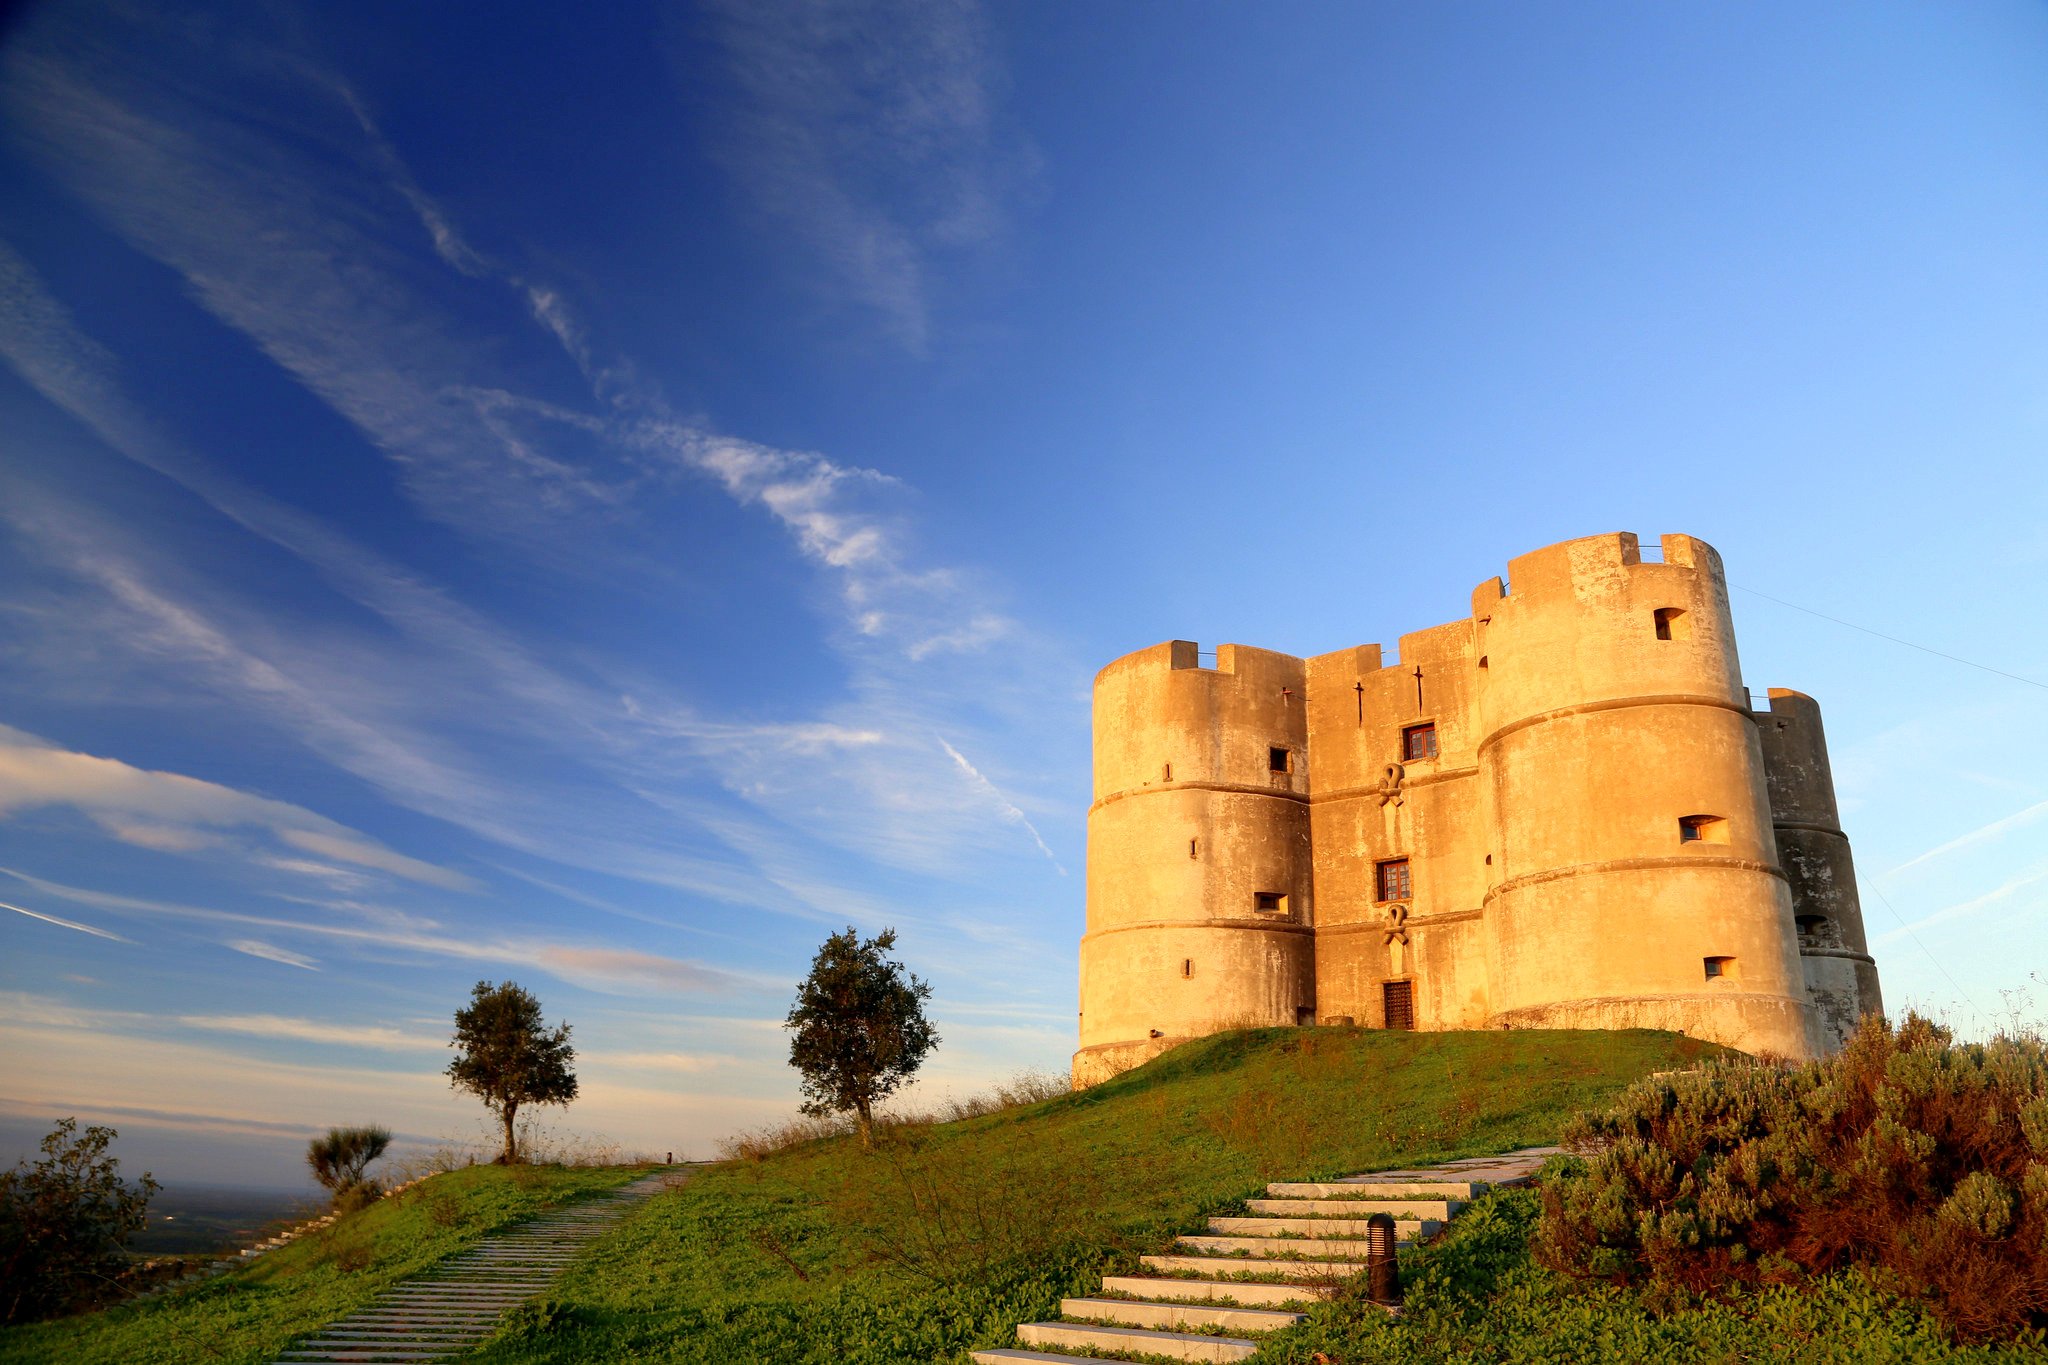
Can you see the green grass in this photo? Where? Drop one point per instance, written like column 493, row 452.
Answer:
column 1476, row 1297
column 946, row 1237
column 250, row 1314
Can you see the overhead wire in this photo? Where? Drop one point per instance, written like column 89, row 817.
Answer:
column 1875, row 889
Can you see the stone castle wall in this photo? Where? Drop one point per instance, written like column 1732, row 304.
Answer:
column 1558, row 813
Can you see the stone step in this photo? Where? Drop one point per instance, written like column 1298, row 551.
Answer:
column 1250, row 1293
column 1222, row 1266
column 1174, row 1316
column 1136, row 1341
column 1422, row 1210
column 997, row 1355
column 1257, row 1250
column 1465, row 1190
column 1406, row 1229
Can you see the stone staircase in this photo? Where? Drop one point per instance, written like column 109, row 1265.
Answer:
column 459, row 1302
column 1209, row 1300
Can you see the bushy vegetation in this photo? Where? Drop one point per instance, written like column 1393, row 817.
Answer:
column 1921, row 1160
column 1479, row 1296
column 64, row 1225
column 341, row 1159
column 947, row 1235
column 248, row 1315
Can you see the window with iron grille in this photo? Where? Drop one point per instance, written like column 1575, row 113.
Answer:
column 1398, row 999
column 1418, row 741
column 1392, row 877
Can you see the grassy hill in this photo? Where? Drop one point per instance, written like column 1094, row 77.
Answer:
column 251, row 1314
column 945, row 1237
column 948, row 1235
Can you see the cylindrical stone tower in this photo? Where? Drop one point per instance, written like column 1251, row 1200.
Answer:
column 1841, row 977
column 1198, row 854
column 1634, row 878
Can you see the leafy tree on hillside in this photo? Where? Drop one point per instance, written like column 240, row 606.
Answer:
column 340, row 1159
column 860, row 1027
column 64, row 1222
column 508, row 1058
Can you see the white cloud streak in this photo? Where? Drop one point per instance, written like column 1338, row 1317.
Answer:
column 865, row 129
column 1003, row 803
column 66, row 923
column 270, row 952
column 315, row 1031
column 172, row 812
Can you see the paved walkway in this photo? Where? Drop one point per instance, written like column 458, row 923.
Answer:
column 457, row 1303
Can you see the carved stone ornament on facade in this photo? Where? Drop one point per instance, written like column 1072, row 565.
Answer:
column 1390, row 785
column 1397, row 923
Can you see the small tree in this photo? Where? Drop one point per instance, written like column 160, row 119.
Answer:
column 64, row 1222
column 860, row 1028
column 508, row 1058
column 339, row 1159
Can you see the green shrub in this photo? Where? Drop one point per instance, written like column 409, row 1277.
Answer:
column 1922, row 1160
column 65, row 1223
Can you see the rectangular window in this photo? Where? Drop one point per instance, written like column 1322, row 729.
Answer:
column 1392, row 879
column 1671, row 624
column 1720, row 967
column 1702, row 829
column 1269, row 902
column 1278, row 759
column 1398, row 1000
column 1418, row 741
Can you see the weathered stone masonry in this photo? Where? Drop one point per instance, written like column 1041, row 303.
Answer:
column 1562, row 812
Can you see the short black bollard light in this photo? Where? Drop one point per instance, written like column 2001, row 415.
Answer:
column 1382, row 1271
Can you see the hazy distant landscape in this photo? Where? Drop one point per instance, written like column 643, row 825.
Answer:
column 194, row 1220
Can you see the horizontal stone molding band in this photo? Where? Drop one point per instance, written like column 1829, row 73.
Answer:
column 1633, row 865
column 1271, row 926
column 1408, row 782
column 1229, row 788
column 1847, row 953
column 1588, row 708
column 1810, row 829
column 1379, row 926
column 1529, row 1016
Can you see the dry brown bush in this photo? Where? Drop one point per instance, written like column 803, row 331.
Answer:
column 1920, row 1159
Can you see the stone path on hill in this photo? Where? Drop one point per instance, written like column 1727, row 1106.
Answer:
column 1256, row 1274
column 457, row 1303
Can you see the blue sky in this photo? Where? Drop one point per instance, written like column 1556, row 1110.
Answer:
column 604, row 497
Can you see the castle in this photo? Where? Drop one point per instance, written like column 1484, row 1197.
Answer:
column 1563, row 812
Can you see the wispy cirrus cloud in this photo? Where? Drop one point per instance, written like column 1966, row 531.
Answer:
column 381, row 1037
column 62, row 923
column 270, row 952
column 866, row 129
column 174, row 813
column 597, row 967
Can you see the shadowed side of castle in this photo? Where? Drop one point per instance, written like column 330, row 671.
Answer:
column 1562, row 812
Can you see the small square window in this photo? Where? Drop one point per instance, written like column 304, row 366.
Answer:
column 1269, row 902
column 1391, row 878
column 1418, row 741
column 1702, row 829
column 1279, row 760
column 1719, row 968
column 1672, row 623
